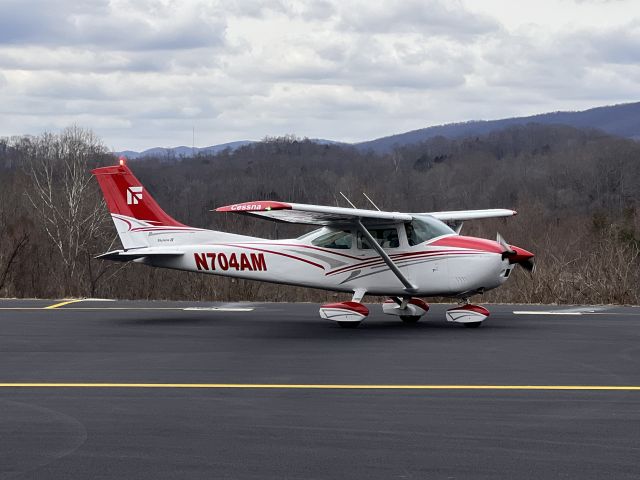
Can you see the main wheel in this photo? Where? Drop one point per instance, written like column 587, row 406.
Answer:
column 472, row 324
column 410, row 318
column 349, row 324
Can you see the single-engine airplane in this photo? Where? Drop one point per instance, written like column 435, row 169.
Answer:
column 403, row 256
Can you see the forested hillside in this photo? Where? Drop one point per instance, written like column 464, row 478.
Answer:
column 577, row 193
column 621, row 120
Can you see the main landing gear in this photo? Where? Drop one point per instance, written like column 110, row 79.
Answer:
column 350, row 314
column 409, row 309
column 347, row 314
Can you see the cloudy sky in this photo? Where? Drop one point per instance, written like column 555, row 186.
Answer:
column 144, row 73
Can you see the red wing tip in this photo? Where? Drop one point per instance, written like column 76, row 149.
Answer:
column 259, row 206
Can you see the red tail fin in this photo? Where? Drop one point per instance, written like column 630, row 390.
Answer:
column 126, row 196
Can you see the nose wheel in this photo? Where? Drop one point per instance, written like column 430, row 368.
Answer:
column 471, row 316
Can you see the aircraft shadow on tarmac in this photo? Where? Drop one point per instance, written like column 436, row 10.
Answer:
column 255, row 325
column 168, row 321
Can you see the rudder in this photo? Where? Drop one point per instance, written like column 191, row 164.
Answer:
column 133, row 210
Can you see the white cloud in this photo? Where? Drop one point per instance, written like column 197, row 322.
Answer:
column 117, row 25
column 144, row 73
column 428, row 17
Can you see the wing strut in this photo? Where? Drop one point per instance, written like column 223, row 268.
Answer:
column 408, row 286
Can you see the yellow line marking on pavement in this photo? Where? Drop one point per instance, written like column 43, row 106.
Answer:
column 126, row 308
column 89, row 308
column 276, row 386
column 99, row 308
column 61, row 304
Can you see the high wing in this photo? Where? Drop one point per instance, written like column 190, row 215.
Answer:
column 325, row 215
column 462, row 215
column 314, row 214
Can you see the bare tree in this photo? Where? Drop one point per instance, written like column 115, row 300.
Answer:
column 14, row 238
column 65, row 198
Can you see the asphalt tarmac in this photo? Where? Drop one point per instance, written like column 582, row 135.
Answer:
column 270, row 391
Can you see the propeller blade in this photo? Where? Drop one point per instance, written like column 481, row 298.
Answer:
column 516, row 255
column 507, row 248
column 529, row 264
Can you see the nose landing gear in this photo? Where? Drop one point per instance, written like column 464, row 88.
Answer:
column 471, row 316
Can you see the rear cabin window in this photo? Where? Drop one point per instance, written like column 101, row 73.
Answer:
column 342, row 239
column 385, row 237
column 425, row 228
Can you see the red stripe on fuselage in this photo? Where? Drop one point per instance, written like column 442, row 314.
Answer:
column 324, row 250
column 404, row 257
column 472, row 243
column 274, row 253
column 376, row 260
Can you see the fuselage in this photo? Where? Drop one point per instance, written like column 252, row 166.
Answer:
column 446, row 265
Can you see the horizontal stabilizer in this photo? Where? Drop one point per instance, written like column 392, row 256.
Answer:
column 129, row 255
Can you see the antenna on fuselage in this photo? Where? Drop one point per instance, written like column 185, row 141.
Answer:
column 349, row 201
column 371, row 201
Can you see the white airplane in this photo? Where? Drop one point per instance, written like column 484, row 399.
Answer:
column 403, row 256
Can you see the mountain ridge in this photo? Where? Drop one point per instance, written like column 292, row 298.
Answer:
column 621, row 120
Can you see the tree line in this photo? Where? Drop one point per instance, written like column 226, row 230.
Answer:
column 577, row 193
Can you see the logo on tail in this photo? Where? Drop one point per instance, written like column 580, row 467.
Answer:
column 134, row 195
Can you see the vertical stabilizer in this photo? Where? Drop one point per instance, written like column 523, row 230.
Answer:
column 134, row 211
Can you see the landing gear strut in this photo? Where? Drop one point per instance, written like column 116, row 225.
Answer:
column 409, row 309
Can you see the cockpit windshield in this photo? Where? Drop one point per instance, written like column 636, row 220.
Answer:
column 312, row 233
column 425, row 228
column 327, row 237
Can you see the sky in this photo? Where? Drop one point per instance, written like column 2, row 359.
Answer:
column 146, row 73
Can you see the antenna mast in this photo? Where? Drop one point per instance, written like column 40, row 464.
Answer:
column 371, row 201
column 345, row 197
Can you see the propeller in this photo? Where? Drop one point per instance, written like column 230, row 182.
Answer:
column 529, row 265
column 507, row 248
column 517, row 255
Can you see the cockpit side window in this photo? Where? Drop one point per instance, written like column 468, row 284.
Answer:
column 425, row 228
column 385, row 237
column 341, row 239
